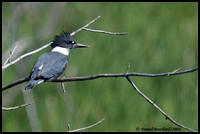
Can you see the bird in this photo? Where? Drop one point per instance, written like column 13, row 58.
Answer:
column 52, row 64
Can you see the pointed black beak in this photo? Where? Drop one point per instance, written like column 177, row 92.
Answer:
column 77, row 45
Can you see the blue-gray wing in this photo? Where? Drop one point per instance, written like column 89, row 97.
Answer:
column 49, row 65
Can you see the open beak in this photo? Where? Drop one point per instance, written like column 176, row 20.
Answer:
column 77, row 45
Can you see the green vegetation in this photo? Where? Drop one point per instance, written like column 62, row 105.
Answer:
column 162, row 37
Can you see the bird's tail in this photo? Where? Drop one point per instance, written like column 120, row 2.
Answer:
column 33, row 83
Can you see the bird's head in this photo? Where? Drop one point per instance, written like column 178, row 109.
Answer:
column 65, row 40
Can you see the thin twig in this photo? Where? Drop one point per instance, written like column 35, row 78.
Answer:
column 92, row 77
column 73, row 33
column 11, row 54
column 175, row 71
column 152, row 103
column 63, row 86
column 105, row 32
column 128, row 67
column 81, row 129
column 13, row 108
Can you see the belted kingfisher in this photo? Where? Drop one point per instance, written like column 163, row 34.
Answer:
column 51, row 65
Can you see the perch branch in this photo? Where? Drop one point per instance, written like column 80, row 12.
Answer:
column 15, row 83
column 105, row 76
column 123, row 75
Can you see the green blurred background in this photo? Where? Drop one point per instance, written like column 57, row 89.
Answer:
column 162, row 37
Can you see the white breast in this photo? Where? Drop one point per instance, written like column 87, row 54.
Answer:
column 62, row 50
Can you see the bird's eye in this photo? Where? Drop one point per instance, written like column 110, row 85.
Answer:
column 70, row 42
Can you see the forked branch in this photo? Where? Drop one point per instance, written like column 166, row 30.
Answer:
column 152, row 103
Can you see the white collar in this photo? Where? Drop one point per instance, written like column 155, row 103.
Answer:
column 61, row 50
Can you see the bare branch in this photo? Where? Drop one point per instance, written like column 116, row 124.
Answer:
column 15, row 83
column 152, row 103
column 81, row 129
column 105, row 32
column 92, row 77
column 13, row 108
column 123, row 75
column 45, row 46
column 73, row 33
column 25, row 55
